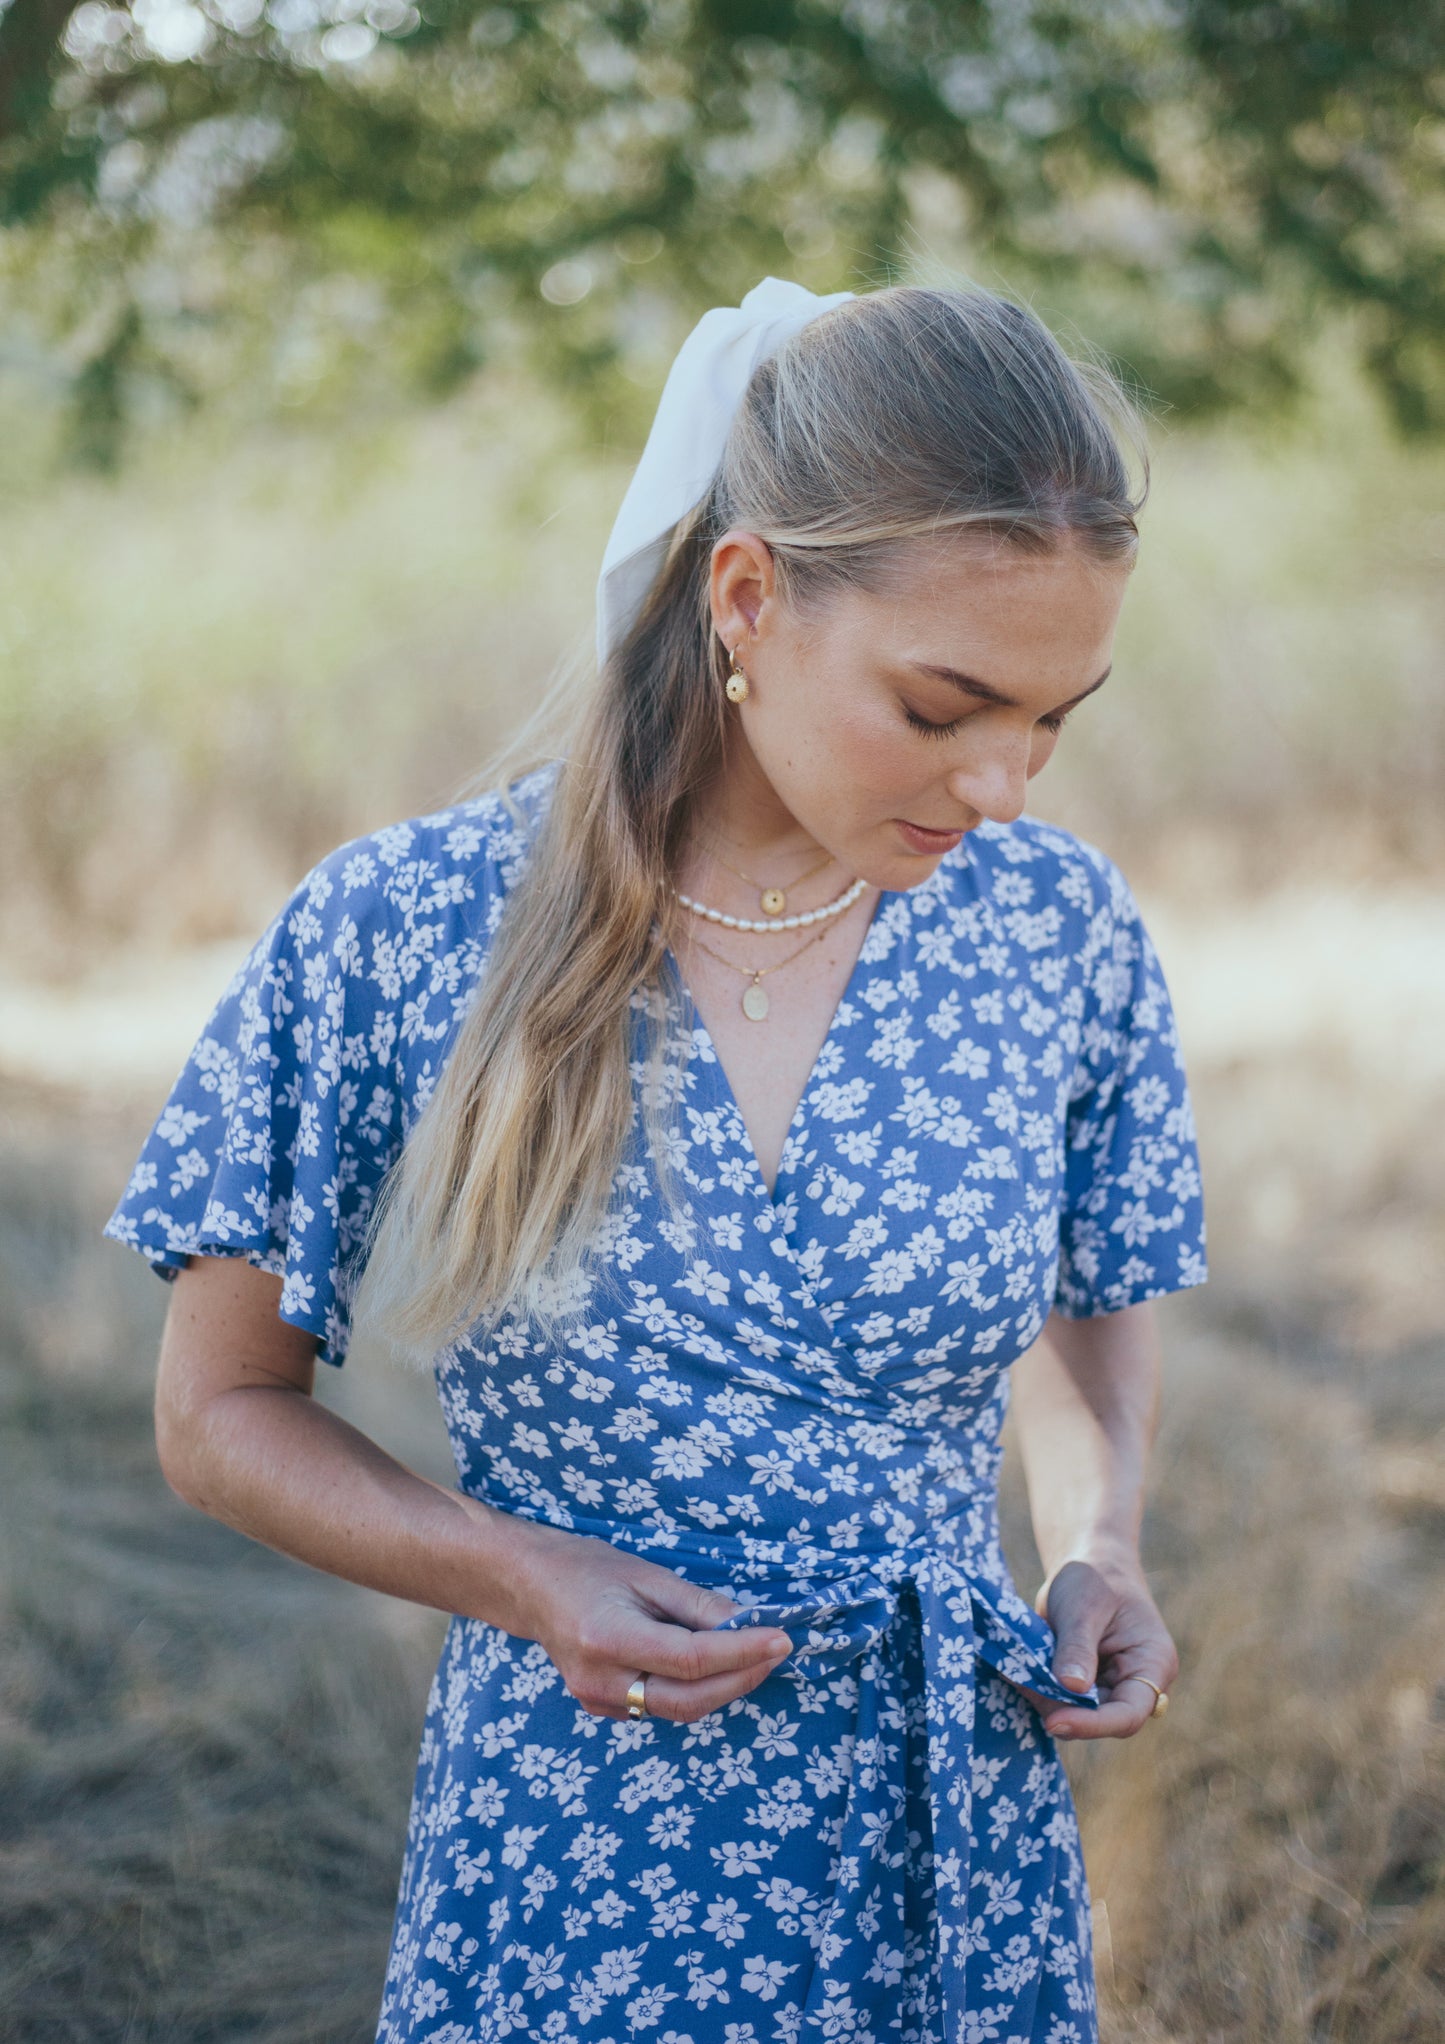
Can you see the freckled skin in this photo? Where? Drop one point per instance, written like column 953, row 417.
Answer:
column 822, row 750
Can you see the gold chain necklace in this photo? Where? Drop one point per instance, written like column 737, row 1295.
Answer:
column 755, row 995
column 772, row 900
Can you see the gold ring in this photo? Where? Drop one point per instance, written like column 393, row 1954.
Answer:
column 1161, row 1701
column 637, row 1698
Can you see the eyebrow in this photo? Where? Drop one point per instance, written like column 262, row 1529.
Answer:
column 984, row 691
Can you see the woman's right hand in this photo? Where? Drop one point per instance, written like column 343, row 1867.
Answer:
column 605, row 1617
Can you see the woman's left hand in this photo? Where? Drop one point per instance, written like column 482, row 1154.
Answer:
column 1107, row 1629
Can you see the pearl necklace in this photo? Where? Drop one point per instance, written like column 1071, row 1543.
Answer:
column 775, row 923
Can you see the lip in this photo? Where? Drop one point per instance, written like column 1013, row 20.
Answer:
column 920, row 839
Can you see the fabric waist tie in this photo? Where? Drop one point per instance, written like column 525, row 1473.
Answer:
column 958, row 1625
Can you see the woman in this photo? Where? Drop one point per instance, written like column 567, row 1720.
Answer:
column 751, row 1089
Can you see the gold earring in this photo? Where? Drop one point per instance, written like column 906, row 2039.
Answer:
column 735, row 688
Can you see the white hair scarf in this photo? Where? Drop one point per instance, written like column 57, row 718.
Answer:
column 699, row 401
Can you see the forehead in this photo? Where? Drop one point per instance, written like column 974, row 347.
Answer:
column 964, row 558
column 980, row 588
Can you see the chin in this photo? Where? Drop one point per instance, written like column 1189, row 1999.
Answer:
column 895, row 873
column 912, row 871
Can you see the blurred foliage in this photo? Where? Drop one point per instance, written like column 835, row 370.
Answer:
column 247, row 650
column 313, row 201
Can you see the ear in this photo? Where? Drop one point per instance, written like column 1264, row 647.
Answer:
column 741, row 582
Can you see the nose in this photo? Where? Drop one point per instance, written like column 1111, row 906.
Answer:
column 995, row 780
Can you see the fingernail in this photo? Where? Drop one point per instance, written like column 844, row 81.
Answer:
column 1058, row 1730
column 1071, row 1672
column 780, row 1649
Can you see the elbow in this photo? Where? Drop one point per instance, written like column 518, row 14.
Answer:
column 177, row 1452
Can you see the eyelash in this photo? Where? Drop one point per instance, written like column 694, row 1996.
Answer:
column 931, row 730
column 1052, row 724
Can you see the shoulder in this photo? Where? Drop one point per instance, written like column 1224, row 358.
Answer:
column 374, row 955
column 446, row 872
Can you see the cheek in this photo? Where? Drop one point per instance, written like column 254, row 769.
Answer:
column 860, row 729
column 875, row 757
column 836, row 734
column 1041, row 749
column 888, row 767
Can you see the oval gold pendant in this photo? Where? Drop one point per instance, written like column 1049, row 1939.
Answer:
column 755, row 1002
column 774, row 901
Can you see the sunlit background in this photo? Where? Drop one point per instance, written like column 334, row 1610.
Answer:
column 329, row 331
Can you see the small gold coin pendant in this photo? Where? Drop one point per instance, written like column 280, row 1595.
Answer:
column 755, row 1002
column 774, row 901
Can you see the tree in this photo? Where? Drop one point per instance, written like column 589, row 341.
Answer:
column 1201, row 184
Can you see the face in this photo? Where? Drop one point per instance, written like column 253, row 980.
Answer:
column 887, row 726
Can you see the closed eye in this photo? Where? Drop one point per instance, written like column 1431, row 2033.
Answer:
column 1055, row 722
column 931, row 730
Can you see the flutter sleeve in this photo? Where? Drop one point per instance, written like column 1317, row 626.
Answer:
column 1132, row 1225
column 288, row 1111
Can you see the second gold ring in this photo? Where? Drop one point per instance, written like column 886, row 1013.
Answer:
column 1161, row 1701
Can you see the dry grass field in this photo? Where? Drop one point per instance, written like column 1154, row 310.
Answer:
column 205, row 1749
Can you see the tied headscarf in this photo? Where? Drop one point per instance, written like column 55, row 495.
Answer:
column 699, row 400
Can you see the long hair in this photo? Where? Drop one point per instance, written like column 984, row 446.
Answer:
column 898, row 415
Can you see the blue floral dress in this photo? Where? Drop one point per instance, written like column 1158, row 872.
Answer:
column 794, row 1397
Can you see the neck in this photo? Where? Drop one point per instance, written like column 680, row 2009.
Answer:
column 740, row 810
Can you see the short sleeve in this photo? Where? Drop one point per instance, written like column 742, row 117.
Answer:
column 288, row 1111
column 1132, row 1226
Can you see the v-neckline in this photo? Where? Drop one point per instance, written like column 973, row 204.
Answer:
column 746, row 1144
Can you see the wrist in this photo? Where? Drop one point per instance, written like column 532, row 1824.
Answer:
column 512, row 1561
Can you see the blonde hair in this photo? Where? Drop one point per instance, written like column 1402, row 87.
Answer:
column 902, row 414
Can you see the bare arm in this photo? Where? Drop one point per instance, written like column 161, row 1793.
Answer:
column 1086, row 1404
column 241, row 1438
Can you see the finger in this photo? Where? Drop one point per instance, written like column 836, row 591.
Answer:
column 688, row 1657
column 1076, row 1658
column 1124, row 1711
column 1078, row 1605
column 672, row 1596
column 1054, row 1713
column 690, row 1604
column 601, row 1685
column 685, row 1702
column 1147, row 1692
column 1109, row 1721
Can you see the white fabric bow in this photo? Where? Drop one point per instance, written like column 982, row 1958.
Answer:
column 699, row 400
